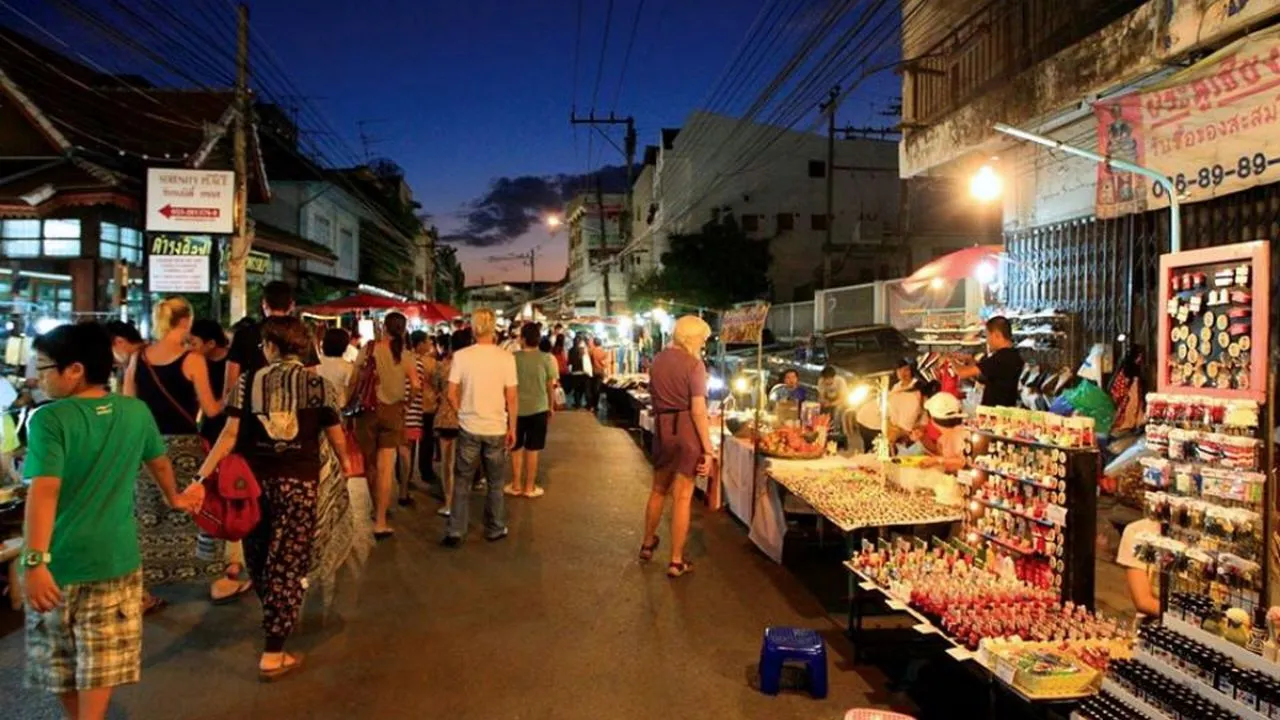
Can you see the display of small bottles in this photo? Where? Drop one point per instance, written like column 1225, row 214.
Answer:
column 1171, row 697
column 1106, row 707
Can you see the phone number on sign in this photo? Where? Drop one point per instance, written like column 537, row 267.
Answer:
column 1212, row 176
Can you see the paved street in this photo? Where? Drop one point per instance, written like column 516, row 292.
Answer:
column 559, row 621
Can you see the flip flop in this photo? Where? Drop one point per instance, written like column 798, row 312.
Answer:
column 675, row 570
column 383, row 534
column 244, row 587
column 536, row 492
column 286, row 667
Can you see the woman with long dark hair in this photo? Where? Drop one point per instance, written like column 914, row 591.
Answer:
column 387, row 376
column 278, row 418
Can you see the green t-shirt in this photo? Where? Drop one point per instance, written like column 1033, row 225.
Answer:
column 534, row 369
column 95, row 447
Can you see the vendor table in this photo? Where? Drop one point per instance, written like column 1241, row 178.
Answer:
column 930, row 637
column 850, row 504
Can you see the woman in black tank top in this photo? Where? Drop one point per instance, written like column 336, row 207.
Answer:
column 174, row 383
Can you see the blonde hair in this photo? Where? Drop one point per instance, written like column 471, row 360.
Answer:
column 483, row 321
column 168, row 314
column 690, row 332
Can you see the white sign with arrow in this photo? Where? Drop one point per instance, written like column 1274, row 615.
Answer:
column 190, row 201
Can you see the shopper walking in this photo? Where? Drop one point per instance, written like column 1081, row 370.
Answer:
column 601, row 369
column 681, row 439
column 174, row 384
column 278, row 418
column 446, row 421
column 425, row 354
column 126, row 341
column 414, row 413
column 387, row 377
column 81, row 564
column 246, row 346
column 536, row 375
column 579, row 386
column 483, row 385
column 334, row 366
column 561, row 354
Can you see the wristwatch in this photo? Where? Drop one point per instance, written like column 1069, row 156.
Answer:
column 35, row 558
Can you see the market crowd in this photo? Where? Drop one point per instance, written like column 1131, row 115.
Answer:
column 262, row 458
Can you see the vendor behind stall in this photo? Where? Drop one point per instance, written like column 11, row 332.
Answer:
column 788, row 389
column 942, row 436
column 999, row 370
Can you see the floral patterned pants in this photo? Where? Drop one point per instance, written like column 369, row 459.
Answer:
column 278, row 553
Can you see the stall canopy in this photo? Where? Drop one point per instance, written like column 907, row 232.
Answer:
column 980, row 262
column 432, row 312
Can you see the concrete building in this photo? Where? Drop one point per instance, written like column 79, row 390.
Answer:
column 774, row 183
column 594, row 240
column 323, row 213
column 496, row 296
column 1057, row 69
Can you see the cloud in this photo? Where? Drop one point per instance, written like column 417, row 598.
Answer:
column 513, row 205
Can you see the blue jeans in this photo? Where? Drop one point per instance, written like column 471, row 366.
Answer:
column 491, row 450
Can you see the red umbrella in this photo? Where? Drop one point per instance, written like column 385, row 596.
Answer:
column 977, row 261
column 355, row 303
column 432, row 312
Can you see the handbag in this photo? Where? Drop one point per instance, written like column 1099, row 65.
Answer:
column 364, row 398
column 231, row 507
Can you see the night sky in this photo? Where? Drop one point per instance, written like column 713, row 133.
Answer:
column 462, row 92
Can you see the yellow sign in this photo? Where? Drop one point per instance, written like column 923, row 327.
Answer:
column 258, row 263
column 197, row 245
column 1212, row 129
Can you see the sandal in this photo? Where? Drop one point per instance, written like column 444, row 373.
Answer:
column 243, row 587
column 646, row 551
column 152, row 605
column 536, row 492
column 676, row 569
column 288, row 663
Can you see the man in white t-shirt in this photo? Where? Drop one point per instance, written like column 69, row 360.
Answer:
column 1137, row 574
column 482, row 385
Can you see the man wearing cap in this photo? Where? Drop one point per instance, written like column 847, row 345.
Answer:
column 999, row 370
column 943, row 435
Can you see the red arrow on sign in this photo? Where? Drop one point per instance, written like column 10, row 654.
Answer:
column 190, row 213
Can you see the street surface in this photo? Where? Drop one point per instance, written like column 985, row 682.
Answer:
column 558, row 621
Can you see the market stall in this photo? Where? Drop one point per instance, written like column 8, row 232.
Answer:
column 1210, row 501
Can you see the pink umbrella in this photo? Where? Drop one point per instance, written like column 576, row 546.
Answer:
column 354, row 303
column 432, row 312
column 980, row 261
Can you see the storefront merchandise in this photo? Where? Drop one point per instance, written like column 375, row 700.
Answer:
column 853, row 497
column 1033, row 502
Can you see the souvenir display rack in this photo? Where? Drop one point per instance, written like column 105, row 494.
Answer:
column 1032, row 498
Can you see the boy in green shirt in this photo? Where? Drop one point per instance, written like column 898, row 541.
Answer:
column 82, row 569
column 536, row 376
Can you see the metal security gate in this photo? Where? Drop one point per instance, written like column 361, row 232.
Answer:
column 1106, row 270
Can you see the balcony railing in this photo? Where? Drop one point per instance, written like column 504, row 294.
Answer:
column 1001, row 39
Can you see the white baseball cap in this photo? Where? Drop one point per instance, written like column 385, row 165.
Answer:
column 944, row 406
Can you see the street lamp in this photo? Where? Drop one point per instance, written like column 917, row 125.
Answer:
column 553, row 221
column 986, row 184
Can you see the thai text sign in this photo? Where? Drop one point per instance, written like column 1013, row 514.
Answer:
column 194, row 201
column 744, row 325
column 1212, row 129
column 179, row 263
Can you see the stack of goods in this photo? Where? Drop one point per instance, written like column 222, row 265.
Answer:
column 1212, row 328
column 795, row 442
column 1048, row 671
column 1036, row 426
column 857, row 497
column 974, row 601
column 1206, row 489
column 1018, row 495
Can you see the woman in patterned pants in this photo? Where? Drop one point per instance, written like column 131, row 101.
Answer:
column 278, row 419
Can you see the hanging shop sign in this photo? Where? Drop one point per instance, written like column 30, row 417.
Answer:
column 179, row 263
column 744, row 325
column 258, row 263
column 190, row 201
column 1214, row 323
column 1212, row 129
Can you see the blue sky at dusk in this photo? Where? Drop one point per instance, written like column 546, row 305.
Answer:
column 461, row 92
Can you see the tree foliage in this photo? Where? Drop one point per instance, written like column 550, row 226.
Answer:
column 713, row 268
column 450, row 278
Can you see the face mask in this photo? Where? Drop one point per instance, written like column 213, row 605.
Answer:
column 121, row 358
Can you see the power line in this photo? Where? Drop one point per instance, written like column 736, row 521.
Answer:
column 604, row 45
column 626, row 56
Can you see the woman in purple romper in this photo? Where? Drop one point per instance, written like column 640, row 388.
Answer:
column 681, row 439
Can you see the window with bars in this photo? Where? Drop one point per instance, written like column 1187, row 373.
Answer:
column 36, row 238
column 120, row 243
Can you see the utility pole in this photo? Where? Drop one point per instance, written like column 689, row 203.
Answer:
column 829, row 107
column 624, row 219
column 604, row 242
column 242, row 241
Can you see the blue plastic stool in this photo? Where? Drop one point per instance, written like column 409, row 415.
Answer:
column 798, row 644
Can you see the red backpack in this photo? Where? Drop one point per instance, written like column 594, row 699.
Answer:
column 231, row 509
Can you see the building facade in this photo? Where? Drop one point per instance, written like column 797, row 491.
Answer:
column 322, row 212
column 597, row 284
column 1053, row 68
column 774, row 183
